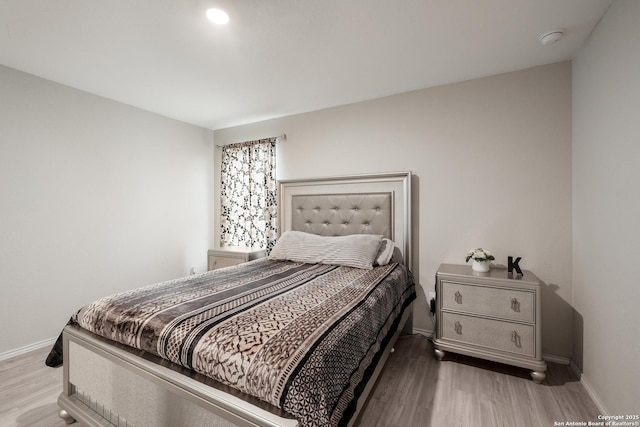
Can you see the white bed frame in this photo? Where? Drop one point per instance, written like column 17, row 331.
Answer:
column 107, row 384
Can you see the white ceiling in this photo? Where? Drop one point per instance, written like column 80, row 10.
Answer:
column 279, row 57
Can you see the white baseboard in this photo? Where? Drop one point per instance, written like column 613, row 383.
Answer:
column 575, row 369
column 556, row 359
column 590, row 391
column 423, row 332
column 27, row 348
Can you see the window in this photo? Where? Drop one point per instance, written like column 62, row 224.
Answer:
column 248, row 194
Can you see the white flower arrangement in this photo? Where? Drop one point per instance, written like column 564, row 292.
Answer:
column 479, row 255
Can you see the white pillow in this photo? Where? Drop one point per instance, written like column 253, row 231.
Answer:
column 385, row 252
column 354, row 250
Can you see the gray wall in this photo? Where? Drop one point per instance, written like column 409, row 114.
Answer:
column 606, row 208
column 492, row 165
column 95, row 197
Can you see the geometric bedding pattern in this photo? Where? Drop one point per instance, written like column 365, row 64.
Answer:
column 302, row 337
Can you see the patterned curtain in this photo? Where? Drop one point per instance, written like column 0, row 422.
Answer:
column 249, row 195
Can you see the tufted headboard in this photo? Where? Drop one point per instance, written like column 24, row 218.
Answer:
column 342, row 214
column 336, row 206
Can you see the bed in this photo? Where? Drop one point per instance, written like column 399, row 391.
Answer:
column 122, row 374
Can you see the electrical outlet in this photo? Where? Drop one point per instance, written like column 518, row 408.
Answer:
column 193, row 270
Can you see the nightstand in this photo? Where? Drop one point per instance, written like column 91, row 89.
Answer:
column 231, row 255
column 493, row 315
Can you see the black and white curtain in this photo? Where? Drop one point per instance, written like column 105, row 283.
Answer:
column 249, row 194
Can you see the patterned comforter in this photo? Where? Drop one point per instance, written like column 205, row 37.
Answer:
column 303, row 337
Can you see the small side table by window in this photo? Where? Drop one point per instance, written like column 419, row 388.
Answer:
column 231, row 255
column 490, row 315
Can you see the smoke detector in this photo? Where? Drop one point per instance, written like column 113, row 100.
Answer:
column 551, row 37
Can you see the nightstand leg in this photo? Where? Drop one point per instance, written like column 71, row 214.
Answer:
column 439, row 353
column 68, row 419
column 538, row 376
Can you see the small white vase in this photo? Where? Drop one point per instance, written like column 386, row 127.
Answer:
column 481, row 266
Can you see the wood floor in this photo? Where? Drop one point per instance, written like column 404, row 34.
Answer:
column 413, row 390
column 417, row 390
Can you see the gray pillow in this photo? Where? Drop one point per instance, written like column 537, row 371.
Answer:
column 354, row 250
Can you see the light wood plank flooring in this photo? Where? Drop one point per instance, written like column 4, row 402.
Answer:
column 29, row 390
column 417, row 390
column 413, row 390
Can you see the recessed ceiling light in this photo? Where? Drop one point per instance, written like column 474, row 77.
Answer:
column 217, row 16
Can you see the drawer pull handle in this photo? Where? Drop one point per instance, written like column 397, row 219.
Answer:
column 515, row 305
column 458, row 297
column 515, row 338
column 458, row 327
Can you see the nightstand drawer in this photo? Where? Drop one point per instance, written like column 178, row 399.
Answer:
column 216, row 262
column 230, row 255
column 503, row 336
column 504, row 303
